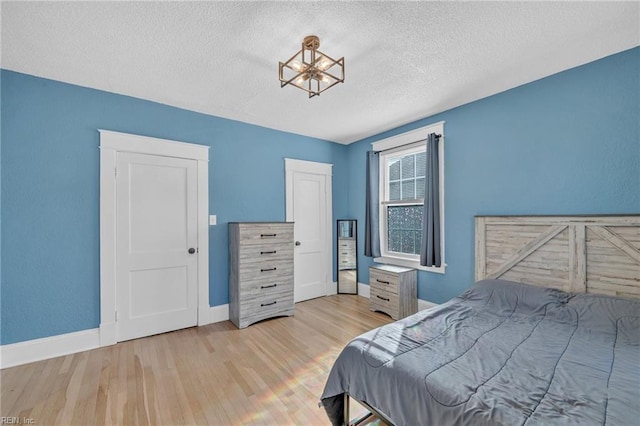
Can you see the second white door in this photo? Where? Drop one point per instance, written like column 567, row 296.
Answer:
column 309, row 207
column 156, row 244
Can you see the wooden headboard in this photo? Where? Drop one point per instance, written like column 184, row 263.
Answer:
column 592, row 254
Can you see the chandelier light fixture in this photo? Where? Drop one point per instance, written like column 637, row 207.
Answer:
column 311, row 70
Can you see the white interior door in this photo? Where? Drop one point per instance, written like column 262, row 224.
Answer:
column 156, row 244
column 309, row 207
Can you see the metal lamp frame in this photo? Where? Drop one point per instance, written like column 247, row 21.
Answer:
column 308, row 76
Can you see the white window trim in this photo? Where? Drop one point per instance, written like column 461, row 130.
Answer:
column 404, row 140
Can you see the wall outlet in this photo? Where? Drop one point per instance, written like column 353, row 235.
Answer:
column 213, row 219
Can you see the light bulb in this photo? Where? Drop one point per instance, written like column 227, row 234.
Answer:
column 300, row 80
column 322, row 63
column 296, row 65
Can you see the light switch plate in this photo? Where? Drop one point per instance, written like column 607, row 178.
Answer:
column 213, row 219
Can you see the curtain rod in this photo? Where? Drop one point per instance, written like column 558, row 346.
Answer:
column 401, row 147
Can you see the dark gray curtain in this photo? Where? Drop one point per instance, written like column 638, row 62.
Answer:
column 430, row 251
column 372, row 212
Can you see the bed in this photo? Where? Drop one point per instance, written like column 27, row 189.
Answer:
column 549, row 334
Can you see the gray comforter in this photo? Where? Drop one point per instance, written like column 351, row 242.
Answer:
column 501, row 353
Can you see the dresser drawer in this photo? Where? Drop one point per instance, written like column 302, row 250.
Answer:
column 264, row 270
column 265, row 234
column 344, row 244
column 347, row 264
column 271, row 251
column 346, row 253
column 383, row 280
column 257, row 309
column 274, row 284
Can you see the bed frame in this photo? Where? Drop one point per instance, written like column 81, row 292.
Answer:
column 582, row 254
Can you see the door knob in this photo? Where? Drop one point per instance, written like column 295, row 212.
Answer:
column 298, row 243
column 192, row 250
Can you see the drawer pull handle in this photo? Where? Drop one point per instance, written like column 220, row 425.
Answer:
column 267, row 235
column 268, row 286
column 269, row 304
column 268, row 269
column 345, row 253
column 268, row 252
column 383, row 282
column 383, row 298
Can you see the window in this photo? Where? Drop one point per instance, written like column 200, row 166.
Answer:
column 402, row 182
column 402, row 201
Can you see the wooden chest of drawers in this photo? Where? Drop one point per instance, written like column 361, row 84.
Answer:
column 346, row 253
column 393, row 290
column 260, row 271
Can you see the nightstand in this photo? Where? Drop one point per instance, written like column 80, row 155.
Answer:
column 393, row 290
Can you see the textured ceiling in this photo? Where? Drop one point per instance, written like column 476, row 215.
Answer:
column 404, row 60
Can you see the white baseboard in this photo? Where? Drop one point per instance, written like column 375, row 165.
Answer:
column 48, row 347
column 219, row 313
column 332, row 288
column 425, row 304
column 204, row 314
column 108, row 334
column 363, row 290
column 70, row 343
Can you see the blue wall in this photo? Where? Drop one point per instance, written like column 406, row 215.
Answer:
column 50, row 192
column 566, row 144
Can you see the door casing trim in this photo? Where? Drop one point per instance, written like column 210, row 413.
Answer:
column 325, row 169
column 110, row 144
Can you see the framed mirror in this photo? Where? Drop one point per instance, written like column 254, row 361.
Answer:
column 347, row 252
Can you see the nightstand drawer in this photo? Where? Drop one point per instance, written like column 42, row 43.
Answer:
column 383, row 280
column 386, row 302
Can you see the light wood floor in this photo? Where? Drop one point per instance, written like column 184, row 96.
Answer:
column 272, row 372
